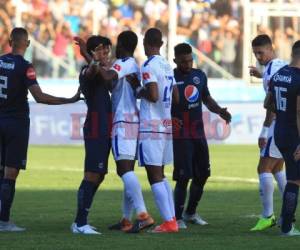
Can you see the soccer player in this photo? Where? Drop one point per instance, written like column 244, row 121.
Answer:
column 96, row 130
column 17, row 76
column 125, row 131
column 155, row 133
column 270, row 162
column 191, row 156
column 284, row 98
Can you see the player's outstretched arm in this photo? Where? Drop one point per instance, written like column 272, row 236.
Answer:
column 214, row 107
column 41, row 97
column 253, row 71
column 83, row 51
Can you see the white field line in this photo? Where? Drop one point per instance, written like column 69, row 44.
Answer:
column 211, row 179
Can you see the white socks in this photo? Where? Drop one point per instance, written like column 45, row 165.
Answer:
column 161, row 198
column 170, row 196
column 280, row 177
column 133, row 190
column 127, row 206
column 266, row 193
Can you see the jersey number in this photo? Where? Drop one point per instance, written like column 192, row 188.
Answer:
column 168, row 90
column 3, row 85
column 280, row 100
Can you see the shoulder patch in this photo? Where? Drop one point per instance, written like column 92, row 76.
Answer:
column 117, row 67
column 30, row 73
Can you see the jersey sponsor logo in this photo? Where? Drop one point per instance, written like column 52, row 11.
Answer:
column 282, row 78
column 5, row 65
column 196, row 80
column 167, row 123
column 30, row 73
column 117, row 67
column 191, row 93
column 146, row 76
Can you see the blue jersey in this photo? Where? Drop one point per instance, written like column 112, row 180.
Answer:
column 16, row 76
column 98, row 102
column 193, row 91
column 285, row 88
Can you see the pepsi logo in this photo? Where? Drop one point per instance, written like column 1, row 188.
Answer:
column 191, row 93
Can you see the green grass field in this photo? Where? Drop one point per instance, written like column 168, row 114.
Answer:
column 45, row 204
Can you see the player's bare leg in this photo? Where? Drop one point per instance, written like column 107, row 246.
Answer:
column 7, row 193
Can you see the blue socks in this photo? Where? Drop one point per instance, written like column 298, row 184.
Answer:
column 7, row 194
column 289, row 205
column 179, row 197
column 196, row 191
column 85, row 197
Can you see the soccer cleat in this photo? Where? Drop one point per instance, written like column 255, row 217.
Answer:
column 166, row 227
column 264, row 223
column 10, row 227
column 292, row 232
column 122, row 225
column 143, row 221
column 181, row 224
column 194, row 219
column 86, row 229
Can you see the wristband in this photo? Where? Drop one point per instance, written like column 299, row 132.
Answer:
column 264, row 132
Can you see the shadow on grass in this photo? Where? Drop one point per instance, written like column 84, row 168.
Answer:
column 47, row 215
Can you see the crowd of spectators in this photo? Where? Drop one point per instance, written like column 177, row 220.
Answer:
column 214, row 27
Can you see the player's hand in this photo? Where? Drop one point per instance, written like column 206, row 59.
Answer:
column 133, row 80
column 82, row 45
column 262, row 142
column 297, row 153
column 253, row 71
column 225, row 115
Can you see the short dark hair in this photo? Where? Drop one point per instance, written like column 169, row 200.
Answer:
column 261, row 40
column 18, row 34
column 296, row 49
column 94, row 41
column 128, row 40
column 182, row 49
column 153, row 37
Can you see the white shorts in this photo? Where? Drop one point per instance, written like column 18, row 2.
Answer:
column 124, row 141
column 271, row 150
column 155, row 151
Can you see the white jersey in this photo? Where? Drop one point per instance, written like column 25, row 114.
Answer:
column 156, row 117
column 270, row 69
column 124, row 104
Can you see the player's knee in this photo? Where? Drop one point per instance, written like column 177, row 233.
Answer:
column 182, row 184
column 11, row 173
column 95, row 178
column 200, row 181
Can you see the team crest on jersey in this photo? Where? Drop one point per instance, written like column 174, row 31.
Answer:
column 196, row 80
column 117, row 67
column 146, row 76
column 191, row 93
column 30, row 73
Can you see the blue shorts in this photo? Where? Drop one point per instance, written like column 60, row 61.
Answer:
column 292, row 167
column 191, row 159
column 14, row 137
column 96, row 153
